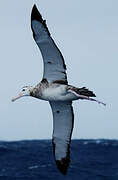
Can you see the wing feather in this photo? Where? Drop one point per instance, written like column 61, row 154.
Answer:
column 54, row 65
column 63, row 119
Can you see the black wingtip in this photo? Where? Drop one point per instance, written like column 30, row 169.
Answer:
column 35, row 15
column 63, row 165
column 34, row 6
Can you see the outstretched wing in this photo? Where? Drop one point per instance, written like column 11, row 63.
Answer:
column 63, row 119
column 54, row 66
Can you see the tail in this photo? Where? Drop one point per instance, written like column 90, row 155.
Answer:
column 86, row 95
column 82, row 91
column 86, row 92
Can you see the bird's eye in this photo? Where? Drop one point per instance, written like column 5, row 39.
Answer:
column 23, row 90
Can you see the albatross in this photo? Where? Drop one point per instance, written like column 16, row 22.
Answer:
column 55, row 89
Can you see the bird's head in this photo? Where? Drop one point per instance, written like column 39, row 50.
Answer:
column 25, row 91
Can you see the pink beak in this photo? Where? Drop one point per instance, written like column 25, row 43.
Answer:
column 17, row 97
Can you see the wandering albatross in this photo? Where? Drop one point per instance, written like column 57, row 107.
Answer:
column 55, row 89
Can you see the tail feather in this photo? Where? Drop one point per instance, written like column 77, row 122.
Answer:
column 83, row 91
column 86, row 92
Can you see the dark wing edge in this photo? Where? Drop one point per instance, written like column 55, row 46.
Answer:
column 35, row 15
column 63, row 122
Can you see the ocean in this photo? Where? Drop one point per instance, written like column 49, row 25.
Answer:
column 33, row 160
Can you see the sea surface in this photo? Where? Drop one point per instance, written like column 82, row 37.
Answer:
column 33, row 160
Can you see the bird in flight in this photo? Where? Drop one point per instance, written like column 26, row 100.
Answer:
column 55, row 89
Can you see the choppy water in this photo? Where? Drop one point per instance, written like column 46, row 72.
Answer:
column 33, row 160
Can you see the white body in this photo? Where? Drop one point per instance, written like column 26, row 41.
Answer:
column 57, row 93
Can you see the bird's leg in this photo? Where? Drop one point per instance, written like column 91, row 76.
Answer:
column 86, row 97
column 100, row 102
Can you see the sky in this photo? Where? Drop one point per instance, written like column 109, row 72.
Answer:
column 86, row 32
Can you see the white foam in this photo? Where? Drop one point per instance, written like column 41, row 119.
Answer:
column 33, row 167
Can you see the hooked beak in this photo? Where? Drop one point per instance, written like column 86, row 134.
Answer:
column 17, row 97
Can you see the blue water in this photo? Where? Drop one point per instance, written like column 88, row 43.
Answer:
column 33, row 160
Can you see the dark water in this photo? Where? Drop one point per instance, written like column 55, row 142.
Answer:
column 33, row 160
